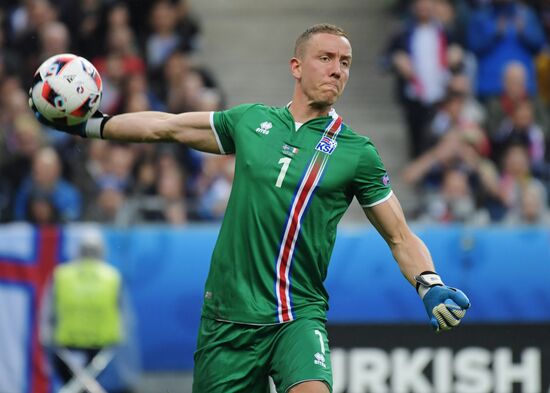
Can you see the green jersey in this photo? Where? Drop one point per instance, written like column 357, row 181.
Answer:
column 290, row 190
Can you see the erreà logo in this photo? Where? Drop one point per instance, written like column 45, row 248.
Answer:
column 319, row 359
column 264, row 128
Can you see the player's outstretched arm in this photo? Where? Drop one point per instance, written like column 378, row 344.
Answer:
column 192, row 129
column 445, row 306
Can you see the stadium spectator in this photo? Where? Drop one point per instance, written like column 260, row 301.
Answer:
column 46, row 177
column 501, row 32
column 159, row 193
column 454, row 202
column 54, row 39
column 418, row 55
column 19, row 131
column 171, row 190
column 85, row 165
column 110, row 179
column 516, row 175
column 13, row 101
column 521, row 129
column 448, row 117
column 532, row 209
column 454, row 14
column 167, row 205
column 113, row 79
column 136, row 102
column 501, row 108
column 472, row 110
column 84, row 23
column 139, row 96
column 164, row 38
column 174, row 70
column 21, row 145
column 118, row 15
column 121, row 43
column 465, row 150
column 185, row 86
column 41, row 209
column 188, row 27
column 444, row 12
column 145, row 171
column 108, row 203
column 24, row 25
column 119, row 164
column 8, row 57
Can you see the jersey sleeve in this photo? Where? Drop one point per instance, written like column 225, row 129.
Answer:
column 224, row 124
column 371, row 184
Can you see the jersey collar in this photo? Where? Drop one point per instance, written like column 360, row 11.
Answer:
column 331, row 114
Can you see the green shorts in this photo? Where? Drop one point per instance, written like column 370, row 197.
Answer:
column 237, row 358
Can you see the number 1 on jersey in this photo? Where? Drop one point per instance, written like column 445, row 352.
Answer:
column 322, row 344
column 286, row 163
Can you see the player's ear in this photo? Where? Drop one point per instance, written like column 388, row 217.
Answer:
column 296, row 67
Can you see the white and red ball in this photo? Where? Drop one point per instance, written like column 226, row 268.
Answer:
column 66, row 89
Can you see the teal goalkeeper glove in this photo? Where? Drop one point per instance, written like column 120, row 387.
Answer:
column 91, row 128
column 445, row 306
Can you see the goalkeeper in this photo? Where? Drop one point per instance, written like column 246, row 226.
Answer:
column 297, row 170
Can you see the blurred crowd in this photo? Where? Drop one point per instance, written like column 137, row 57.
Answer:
column 145, row 52
column 473, row 81
column 472, row 78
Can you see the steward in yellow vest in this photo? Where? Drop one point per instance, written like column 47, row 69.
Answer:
column 84, row 322
column 87, row 296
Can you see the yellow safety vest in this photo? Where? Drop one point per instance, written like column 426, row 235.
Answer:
column 87, row 304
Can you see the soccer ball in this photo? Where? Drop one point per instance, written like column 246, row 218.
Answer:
column 66, row 89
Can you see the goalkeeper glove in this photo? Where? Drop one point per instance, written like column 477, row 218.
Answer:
column 446, row 306
column 91, row 128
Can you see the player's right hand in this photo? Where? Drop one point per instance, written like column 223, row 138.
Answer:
column 91, row 128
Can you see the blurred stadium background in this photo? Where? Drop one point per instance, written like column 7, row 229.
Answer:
column 473, row 180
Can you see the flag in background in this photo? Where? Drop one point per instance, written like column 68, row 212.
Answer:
column 27, row 258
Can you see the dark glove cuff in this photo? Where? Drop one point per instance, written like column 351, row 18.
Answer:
column 106, row 118
column 95, row 125
column 427, row 279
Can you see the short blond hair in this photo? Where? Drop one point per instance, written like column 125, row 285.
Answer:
column 316, row 29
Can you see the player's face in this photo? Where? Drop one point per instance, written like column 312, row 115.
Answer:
column 322, row 69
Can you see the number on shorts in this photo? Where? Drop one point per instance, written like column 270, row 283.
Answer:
column 321, row 342
column 286, row 163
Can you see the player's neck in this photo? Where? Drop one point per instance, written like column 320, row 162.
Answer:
column 303, row 111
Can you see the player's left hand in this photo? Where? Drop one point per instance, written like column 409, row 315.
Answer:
column 91, row 128
column 446, row 306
